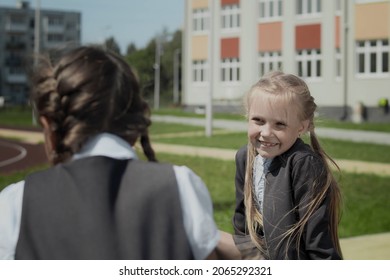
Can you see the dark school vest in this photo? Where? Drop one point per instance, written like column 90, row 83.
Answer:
column 102, row 208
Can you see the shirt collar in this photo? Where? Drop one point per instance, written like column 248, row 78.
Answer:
column 106, row 144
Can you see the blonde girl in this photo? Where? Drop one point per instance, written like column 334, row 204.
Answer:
column 287, row 199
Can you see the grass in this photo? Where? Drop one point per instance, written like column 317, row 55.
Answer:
column 16, row 116
column 164, row 128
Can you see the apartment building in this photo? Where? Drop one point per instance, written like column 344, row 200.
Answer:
column 340, row 47
column 18, row 42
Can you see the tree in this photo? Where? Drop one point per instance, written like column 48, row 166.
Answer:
column 131, row 48
column 143, row 60
column 112, row 45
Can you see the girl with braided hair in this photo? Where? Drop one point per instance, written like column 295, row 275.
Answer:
column 287, row 200
column 98, row 200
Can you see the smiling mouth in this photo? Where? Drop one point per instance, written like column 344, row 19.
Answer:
column 267, row 144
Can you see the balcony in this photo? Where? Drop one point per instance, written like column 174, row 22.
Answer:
column 16, row 27
column 15, row 76
column 15, row 45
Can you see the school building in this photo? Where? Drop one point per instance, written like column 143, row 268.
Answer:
column 340, row 47
column 19, row 39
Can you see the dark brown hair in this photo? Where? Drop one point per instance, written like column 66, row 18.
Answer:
column 87, row 92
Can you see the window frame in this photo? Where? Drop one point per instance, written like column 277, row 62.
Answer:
column 268, row 61
column 230, row 18
column 230, row 70
column 372, row 54
column 200, row 20
column 309, row 64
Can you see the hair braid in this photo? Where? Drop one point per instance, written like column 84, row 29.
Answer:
column 88, row 92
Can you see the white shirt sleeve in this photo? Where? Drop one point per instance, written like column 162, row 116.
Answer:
column 197, row 209
column 11, row 199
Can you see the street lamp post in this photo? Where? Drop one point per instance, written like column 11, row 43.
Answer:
column 209, row 101
column 157, row 73
column 160, row 39
column 345, row 56
column 37, row 43
column 176, row 60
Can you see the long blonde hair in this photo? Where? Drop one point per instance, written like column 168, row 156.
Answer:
column 296, row 92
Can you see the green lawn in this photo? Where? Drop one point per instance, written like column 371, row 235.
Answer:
column 19, row 117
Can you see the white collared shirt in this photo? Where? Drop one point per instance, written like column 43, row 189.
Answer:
column 260, row 169
column 195, row 200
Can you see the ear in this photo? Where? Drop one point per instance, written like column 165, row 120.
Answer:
column 50, row 139
column 304, row 127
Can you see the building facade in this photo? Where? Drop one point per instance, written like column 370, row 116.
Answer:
column 340, row 47
column 19, row 40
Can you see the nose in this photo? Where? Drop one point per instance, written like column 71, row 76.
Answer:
column 265, row 130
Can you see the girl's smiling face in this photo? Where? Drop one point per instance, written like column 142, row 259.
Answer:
column 274, row 125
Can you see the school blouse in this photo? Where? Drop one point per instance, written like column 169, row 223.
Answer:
column 196, row 204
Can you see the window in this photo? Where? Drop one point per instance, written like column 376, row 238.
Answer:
column 55, row 38
column 269, row 61
column 17, row 19
column 55, row 20
column 230, row 15
column 200, row 19
column 372, row 58
column 308, row 7
column 309, row 63
column 338, row 7
column 199, row 71
column 230, row 70
column 271, row 9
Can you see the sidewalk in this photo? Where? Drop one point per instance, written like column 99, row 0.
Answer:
column 369, row 247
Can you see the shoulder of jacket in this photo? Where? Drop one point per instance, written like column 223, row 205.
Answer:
column 301, row 153
column 241, row 153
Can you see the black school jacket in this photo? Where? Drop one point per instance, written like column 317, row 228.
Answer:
column 288, row 183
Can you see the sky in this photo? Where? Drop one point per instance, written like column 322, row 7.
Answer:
column 128, row 21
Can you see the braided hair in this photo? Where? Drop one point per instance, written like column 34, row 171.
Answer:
column 87, row 92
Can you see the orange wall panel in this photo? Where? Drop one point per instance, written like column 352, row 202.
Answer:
column 229, row 2
column 308, row 36
column 230, row 47
column 337, row 32
column 199, row 4
column 200, row 47
column 270, row 37
column 372, row 21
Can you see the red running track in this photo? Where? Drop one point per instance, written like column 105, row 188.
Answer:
column 17, row 156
